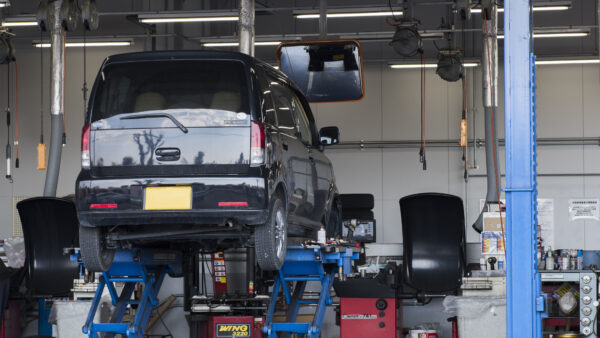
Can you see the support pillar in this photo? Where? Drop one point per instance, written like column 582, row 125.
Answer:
column 524, row 302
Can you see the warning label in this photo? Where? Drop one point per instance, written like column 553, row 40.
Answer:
column 233, row 330
column 364, row 316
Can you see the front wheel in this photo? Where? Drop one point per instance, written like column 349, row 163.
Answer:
column 270, row 239
column 96, row 257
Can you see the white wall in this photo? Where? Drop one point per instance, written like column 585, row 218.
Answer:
column 568, row 104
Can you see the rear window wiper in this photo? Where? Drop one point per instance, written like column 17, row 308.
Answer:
column 152, row 115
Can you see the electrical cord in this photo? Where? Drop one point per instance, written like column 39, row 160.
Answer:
column 16, row 114
column 62, row 102
column 487, row 47
column 423, row 150
column 41, row 90
column 392, row 10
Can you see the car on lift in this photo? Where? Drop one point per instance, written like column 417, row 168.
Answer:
column 201, row 148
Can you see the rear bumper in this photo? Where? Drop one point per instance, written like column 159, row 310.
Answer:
column 126, row 196
column 198, row 217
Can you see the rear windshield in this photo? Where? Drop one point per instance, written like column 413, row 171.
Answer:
column 196, row 93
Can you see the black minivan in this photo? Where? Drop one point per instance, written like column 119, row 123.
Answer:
column 204, row 148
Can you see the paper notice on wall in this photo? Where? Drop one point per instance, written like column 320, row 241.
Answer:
column 584, row 208
column 545, row 209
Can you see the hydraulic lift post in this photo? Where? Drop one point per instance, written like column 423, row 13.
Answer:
column 146, row 266
column 302, row 265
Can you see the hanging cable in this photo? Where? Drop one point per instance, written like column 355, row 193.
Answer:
column 464, row 131
column 62, row 101
column 41, row 148
column 423, row 150
column 17, row 114
column 8, row 148
column 464, row 128
column 85, row 88
column 487, row 47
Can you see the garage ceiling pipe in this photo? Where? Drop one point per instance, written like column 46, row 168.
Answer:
column 57, row 38
column 323, row 19
column 246, row 27
column 489, row 65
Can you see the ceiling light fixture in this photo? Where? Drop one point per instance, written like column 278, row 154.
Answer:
column 19, row 21
column 222, row 16
column 235, row 44
column 535, row 9
column 427, row 65
column 349, row 13
column 541, row 35
column 567, row 62
column 38, row 44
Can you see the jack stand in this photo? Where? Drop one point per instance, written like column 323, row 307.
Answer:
column 144, row 266
column 302, row 265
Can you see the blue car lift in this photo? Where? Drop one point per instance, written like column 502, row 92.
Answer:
column 524, row 303
column 132, row 267
column 302, row 265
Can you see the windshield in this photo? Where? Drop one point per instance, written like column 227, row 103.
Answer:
column 195, row 92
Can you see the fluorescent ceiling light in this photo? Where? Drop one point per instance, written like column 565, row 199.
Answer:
column 218, row 16
column 567, row 62
column 539, row 35
column 535, row 9
column 192, row 19
column 349, row 14
column 87, row 44
column 19, row 21
column 427, row 65
column 235, row 44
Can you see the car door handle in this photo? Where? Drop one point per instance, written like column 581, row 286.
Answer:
column 284, row 145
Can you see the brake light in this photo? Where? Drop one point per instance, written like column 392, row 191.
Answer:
column 233, row 204
column 85, row 147
column 103, row 206
column 257, row 144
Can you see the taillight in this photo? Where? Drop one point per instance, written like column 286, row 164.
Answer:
column 257, row 144
column 85, row 147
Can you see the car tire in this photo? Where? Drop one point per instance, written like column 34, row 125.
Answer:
column 334, row 223
column 96, row 257
column 270, row 239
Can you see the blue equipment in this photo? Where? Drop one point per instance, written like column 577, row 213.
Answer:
column 146, row 266
column 302, row 265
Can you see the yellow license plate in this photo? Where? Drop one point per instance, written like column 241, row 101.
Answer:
column 168, row 198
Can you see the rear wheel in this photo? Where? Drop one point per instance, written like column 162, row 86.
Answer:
column 270, row 239
column 334, row 224
column 96, row 257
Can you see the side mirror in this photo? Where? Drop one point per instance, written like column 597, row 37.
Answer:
column 329, row 135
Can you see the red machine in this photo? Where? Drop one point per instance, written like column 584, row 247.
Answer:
column 235, row 327
column 369, row 317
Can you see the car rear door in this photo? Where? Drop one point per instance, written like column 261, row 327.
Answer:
column 319, row 168
column 294, row 154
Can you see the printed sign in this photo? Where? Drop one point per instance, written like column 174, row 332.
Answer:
column 584, row 208
column 364, row 316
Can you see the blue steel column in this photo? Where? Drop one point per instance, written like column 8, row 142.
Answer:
column 523, row 281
